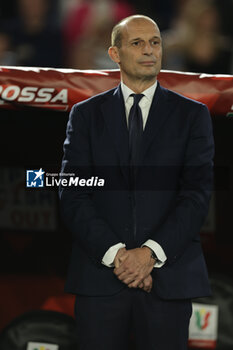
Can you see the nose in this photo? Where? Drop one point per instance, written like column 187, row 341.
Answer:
column 147, row 48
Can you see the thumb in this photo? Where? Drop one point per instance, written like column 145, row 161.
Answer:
column 116, row 263
column 122, row 257
column 119, row 260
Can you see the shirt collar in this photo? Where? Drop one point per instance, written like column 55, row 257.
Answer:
column 148, row 93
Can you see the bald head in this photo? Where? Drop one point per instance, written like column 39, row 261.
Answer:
column 119, row 28
column 137, row 49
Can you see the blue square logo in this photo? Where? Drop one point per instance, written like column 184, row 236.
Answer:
column 35, row 178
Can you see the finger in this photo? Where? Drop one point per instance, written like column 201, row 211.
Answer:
column 123, row 270
column 117, row 262
column 134, row 284
column 123, row 256
column 123, row 275
column 128, row 279
column 147, row 289
column 147, row 284
column 128, row 282
column 120, row 257
column 120, row 269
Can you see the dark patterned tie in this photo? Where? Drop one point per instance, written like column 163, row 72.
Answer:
column 135, row 133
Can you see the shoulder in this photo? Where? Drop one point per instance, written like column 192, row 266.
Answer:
column 189, row 112
column 182, row 101
column 94, row 101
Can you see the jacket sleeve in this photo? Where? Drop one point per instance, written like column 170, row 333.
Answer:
column 81, row 217
column 187, row 216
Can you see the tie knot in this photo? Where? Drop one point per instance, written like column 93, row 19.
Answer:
column 137, row 97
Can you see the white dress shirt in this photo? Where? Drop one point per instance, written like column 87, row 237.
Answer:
column 144, row 104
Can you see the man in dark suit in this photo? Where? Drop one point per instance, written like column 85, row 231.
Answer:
column 136, row 259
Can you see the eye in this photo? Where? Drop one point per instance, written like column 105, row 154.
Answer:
column 155, row 42
column 136, row 43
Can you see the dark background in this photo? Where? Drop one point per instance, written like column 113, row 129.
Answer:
column 33, row 139
column 33, row 262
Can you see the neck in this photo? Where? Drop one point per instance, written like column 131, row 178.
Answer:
column 138, row 86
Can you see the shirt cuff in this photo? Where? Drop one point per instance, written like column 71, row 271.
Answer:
column 158, row 250
column 110, row 254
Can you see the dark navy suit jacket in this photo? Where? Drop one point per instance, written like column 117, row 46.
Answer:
column 168, row 204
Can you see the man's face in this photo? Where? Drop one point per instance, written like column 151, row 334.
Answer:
column 140, row 53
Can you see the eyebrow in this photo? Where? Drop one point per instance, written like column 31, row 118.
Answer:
column 154, row 37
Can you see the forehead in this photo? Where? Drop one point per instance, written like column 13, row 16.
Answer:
column 139, row 28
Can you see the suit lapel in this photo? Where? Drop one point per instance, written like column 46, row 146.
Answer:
column 113, row 110
column 160, row 111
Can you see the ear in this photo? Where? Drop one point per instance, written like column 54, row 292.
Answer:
column 113, row 52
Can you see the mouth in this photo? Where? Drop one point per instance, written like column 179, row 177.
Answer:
column 148, row 63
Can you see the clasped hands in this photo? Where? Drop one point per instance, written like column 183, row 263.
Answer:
column 133, row 267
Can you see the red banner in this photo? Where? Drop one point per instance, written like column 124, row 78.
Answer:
column 202, row 344
column 59, row 89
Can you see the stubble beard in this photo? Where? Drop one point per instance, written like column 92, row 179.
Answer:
column 147, row 77
column 140, row 77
